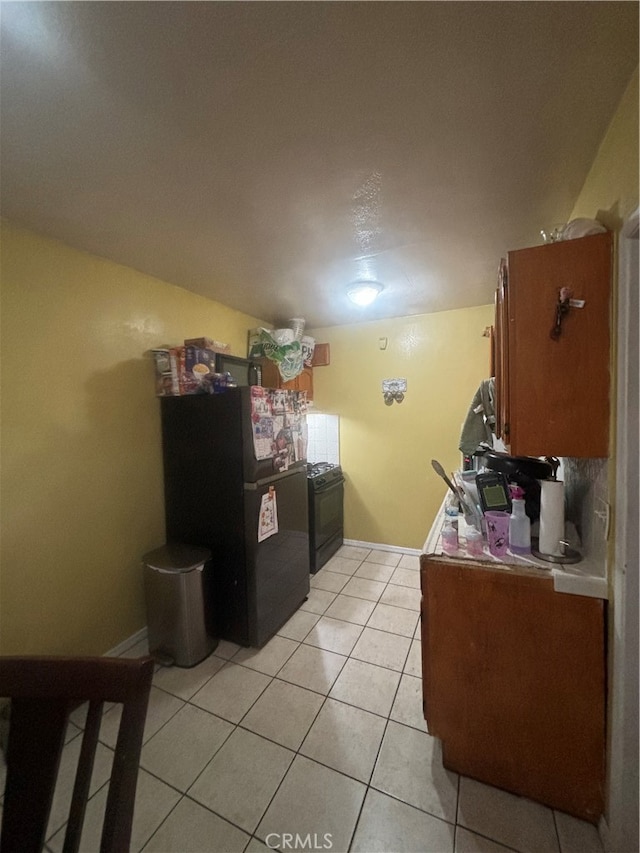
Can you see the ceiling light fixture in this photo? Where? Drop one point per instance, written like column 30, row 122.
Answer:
column 364, row 292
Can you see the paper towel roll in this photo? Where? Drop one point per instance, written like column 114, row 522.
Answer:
column 551, row 516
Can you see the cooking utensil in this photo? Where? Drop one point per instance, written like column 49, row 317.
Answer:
column 437, row 467
column 467, row 508
column 514, row 465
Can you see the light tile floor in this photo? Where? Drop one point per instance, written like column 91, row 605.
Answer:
column 319, row 734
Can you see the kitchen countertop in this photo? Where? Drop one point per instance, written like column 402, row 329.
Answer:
column 587, row 577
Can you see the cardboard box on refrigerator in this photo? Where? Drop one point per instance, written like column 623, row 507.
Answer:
column 208, row 343
column 182, row 370
column 194, row 365
column 166, row 372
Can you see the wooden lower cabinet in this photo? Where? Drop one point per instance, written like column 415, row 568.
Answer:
column 514, row 682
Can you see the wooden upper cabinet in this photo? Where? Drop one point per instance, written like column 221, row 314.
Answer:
column 501, row 355
column 271, row 378
column 321, row 355
column 553, row 392
column 304, row 382
column 492, row 350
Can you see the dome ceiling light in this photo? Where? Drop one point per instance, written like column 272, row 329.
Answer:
column 364, row 292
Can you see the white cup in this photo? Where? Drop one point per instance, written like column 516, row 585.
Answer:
column 283, row 336
column 297, row 327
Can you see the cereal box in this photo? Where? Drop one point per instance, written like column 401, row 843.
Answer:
column 208, row 343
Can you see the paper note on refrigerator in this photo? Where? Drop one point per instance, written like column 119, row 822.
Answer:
column 268, row 517
column 262, row 423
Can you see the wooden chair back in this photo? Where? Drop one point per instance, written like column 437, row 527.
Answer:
column 43, row 692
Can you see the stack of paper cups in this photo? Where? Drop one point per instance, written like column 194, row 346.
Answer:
column 551, row 517
column 297, row 326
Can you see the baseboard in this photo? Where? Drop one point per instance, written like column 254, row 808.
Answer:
column 413, row 552
column 125, row 645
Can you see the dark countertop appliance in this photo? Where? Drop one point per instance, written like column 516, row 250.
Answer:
column 325, row 483
column 524, row 471
column 235, row 482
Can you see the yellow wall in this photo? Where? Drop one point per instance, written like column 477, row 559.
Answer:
column 81, row 473
column 610, row 191
column 610, row 194
column 392, row 493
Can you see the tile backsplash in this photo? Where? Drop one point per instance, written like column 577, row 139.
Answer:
column 587, row 502
column 323, row 438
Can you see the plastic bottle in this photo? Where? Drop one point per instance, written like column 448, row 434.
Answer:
column 449, row 538
column 451, row 511
column 519, row 528
column 515, row 491
column 474, row 542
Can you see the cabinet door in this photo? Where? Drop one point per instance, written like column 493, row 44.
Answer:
column 270, row 374
column 304, row 382
column 514, row 683
column 271, row 378
column 557, row 391
column 502, row 355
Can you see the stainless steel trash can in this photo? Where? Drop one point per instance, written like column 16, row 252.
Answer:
column 178, row 591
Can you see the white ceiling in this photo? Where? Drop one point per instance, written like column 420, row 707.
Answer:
column 267, row 154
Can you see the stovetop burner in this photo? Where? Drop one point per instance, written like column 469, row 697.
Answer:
column 315, row 469
column 322, row 475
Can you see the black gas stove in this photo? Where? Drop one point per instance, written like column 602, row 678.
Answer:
column 323, row 474
column 326, row 494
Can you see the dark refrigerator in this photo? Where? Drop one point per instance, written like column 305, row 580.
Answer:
column 235, row 482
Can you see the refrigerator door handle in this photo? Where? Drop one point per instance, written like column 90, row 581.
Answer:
column 267, row 481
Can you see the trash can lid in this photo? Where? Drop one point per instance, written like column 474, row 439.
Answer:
column 176, row 557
